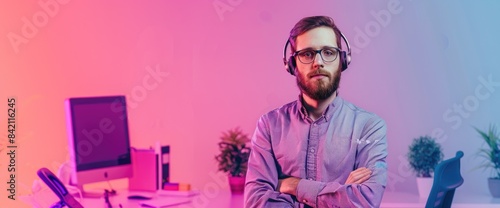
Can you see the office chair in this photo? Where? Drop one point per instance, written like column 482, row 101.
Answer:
column 447, row 178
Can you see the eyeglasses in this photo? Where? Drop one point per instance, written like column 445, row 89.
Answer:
column 307, row 56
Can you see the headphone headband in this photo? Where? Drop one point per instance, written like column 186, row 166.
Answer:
column 345, row 57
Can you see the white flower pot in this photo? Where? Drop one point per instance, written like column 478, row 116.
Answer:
column 424, row 186
column 494, row 186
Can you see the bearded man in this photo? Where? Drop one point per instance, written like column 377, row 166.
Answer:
column 320, row 150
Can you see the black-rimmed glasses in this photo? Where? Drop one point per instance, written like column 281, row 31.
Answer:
column 306, row 56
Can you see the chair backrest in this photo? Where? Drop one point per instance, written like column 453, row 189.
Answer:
column 447, row 178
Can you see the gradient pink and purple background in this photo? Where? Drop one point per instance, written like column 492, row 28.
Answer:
column 414, row 63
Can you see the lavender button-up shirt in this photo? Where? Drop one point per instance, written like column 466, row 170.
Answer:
column 322, row 153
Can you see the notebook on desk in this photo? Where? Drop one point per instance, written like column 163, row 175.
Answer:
column 164, row 202
column 178, row 193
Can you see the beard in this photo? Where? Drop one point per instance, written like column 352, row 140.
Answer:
column 318, row 89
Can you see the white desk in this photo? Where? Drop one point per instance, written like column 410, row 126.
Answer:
column 225, row 199
column 407, row 200
column 219, row 199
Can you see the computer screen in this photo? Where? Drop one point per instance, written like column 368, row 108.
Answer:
column 98, row 138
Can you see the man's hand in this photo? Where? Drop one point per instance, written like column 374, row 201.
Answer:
column 358, row 176
column 288, row 185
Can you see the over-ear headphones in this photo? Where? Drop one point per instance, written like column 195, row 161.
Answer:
column 345, row 57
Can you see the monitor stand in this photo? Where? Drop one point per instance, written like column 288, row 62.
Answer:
column 95, row 193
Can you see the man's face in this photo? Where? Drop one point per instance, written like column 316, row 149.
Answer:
column 319, row 79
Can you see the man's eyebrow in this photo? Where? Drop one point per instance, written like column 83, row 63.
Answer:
column 311, row 48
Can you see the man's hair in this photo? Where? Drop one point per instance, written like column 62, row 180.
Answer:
column 309, row 23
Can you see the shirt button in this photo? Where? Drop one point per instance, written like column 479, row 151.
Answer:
column 315, row 124
column 312, row 150
column 309, row 179
column 305, row 201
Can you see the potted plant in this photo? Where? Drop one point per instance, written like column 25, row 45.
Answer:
column 491, row 155
column 233, row 157
column 424, row 154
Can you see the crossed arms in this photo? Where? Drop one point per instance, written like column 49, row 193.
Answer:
column 267, row 186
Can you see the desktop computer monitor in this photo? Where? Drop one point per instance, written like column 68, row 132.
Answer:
column 98, row 139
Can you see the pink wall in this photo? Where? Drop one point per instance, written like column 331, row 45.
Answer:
column 218, row 69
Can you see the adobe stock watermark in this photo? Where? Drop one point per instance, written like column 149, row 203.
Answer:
column 94, row 137
column 223, row 6
column 471, row 103
column 381, row 19
column 154, row 77
column 453, row 116
column 210, row 190
column 31, row 26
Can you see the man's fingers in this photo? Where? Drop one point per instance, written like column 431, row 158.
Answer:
column 361, row 170
column 359, row 175
column 362, row 178
column 364, row 173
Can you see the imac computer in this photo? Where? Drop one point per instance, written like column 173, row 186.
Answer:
column 98, row 139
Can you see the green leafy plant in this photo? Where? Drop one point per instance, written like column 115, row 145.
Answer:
column 424, row 154
column 234, row 153
column 492, row 152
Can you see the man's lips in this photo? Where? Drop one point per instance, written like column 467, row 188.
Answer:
column 318, row 76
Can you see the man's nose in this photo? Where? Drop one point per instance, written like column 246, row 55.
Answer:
column 318, row 60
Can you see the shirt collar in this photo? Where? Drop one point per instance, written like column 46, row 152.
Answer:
column 330, row 110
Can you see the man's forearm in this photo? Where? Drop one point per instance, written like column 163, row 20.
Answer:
column 289, row 185
column 257, row 196
column 320, row 194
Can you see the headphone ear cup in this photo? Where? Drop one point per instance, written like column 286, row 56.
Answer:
column 343, row 60
column 291, row 65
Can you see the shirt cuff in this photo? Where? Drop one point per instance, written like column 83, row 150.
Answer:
column 307, row 191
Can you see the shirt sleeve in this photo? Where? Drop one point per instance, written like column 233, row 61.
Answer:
column 372, row 153
column 262, row 174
